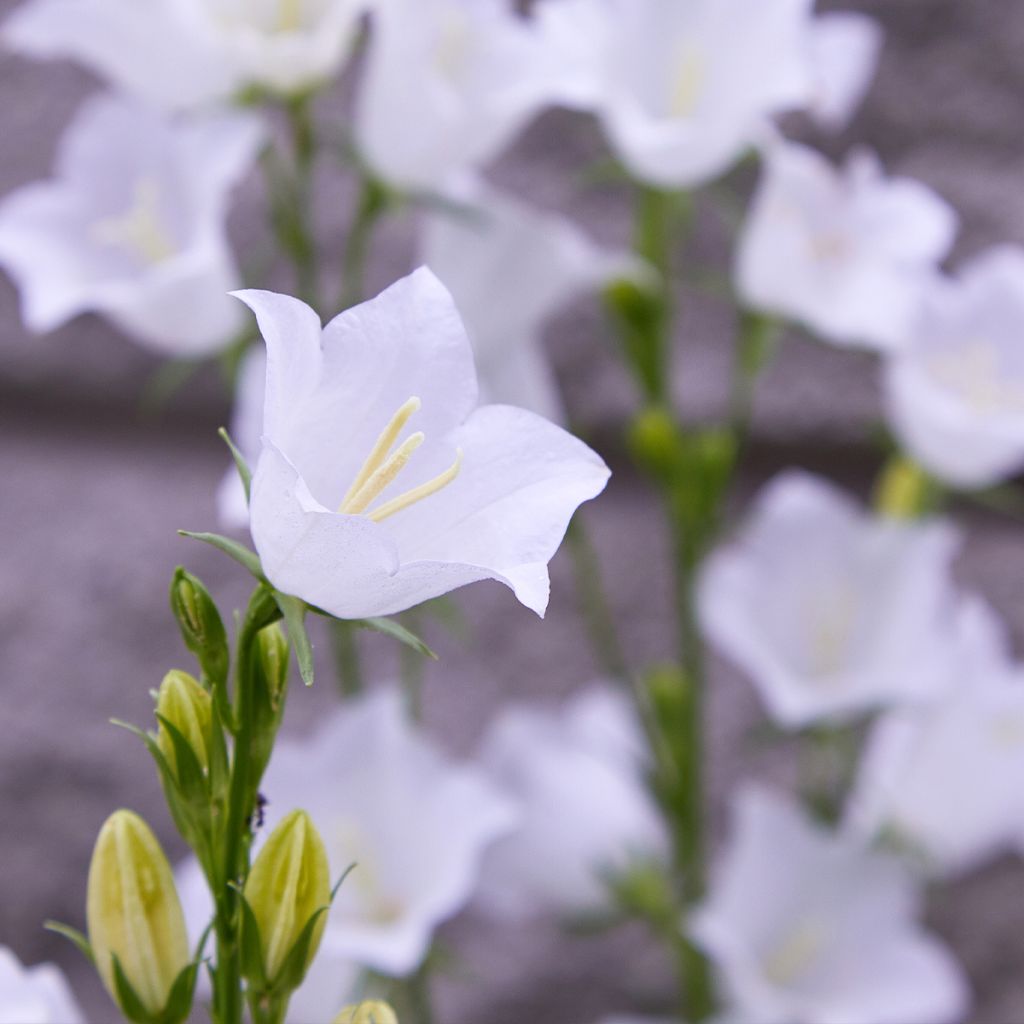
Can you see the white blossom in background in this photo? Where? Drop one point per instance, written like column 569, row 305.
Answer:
column 414, row 823
column 946, row 780
column 844, row 48
column 132, row 226
column 246, row 431
column 467, row 494
column 682, row 89
column 847, row 252
column 331, row 982
column 807, row 927
column 955, row 394
column 509, row 268
column 34, row 995
column 183, row 53
column 832, row 612
column 446, row 86
column 579, row 776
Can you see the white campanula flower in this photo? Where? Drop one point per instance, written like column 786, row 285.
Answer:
column 832, row 612
column 847, row 252
column 955, row 394
column 34, row 995
column 579, row 776
column 346, row 523
column 132, row 226
column 182, row 53
column 946, row 780
column 447, row 85
column 509, row 267
column 805, row 927
column 414, row 824
column 844, row 51
column 682, row 89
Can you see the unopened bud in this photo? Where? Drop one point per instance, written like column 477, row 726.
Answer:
column 288, row 884
column 133, row 912
column 200, row 624
column 189, row 708
column 373, row 1011
column 270, row 687
column 654, row 441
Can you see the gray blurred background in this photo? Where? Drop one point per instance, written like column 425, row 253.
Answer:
column 95, row 484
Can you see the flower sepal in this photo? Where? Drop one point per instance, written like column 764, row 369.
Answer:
column 179, row 1000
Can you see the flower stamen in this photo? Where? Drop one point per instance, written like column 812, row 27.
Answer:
column 382, row 476
column 410, row 497
column 380, row 449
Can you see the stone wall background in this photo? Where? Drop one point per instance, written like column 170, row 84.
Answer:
column 94, row 487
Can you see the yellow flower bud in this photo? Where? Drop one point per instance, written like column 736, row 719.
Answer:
column 371, row 1012
column 188, row 707
column 133, row 911
column 287, row 885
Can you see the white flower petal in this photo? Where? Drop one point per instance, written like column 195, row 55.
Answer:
column 845, row 47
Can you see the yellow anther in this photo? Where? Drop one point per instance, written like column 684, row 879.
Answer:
column 389, row 508
column 289, row 16
column 381, row 447
column 383, row 475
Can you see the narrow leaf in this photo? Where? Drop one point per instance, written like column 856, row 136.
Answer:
column 179, row 1000
column 239, row 552
column 397, row 632
column 296, row 963
column 294, row 612
column 131, row 1005
column 240, row 464
column 72, row 935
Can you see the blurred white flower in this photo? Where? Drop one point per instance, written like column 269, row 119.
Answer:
column 955, row 395
column 844, row 49
column 447, row 85
column 474, row 493
column 947, row 779
column 509, row 267
column 414, row 823
column 330, row 982
column 246, row 430
column 682, row 89
column 34, row 995
column 849, row 253
column 182, row 53
column 133, row 226
column 587, row 814
column 805, row 927
column 831, row 611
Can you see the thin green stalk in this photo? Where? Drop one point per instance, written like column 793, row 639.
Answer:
column 418, row 996
column 303, row 247
column 348, row 666
column 374, row 200
column 597, row 615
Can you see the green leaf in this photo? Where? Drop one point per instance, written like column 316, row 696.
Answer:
column 72, row 935
column 179, row 1000
column 299, row 957
column 397, row 632
column 127, row 998
column 240, row 464
column 239, row 552
column 294, row 612
column 337, row 885
column 189, row 774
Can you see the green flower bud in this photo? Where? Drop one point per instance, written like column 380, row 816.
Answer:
column 269, row 689
column 133, row 912
column 655, row 442
column 189, row 708
column 200, row 624
column 373, row 1011
column 287, row 885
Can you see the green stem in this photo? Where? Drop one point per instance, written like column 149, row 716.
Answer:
column 418, row 996
column 237, row 832
column 303, row 248
column 347, row 663
column 373, row 202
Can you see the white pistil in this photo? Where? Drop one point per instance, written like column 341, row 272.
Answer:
column 380, row 469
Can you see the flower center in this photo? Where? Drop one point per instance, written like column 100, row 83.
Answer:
column 382, row 465
column 289, row 16
column 141, row 229
column 974, row 374
column 453, row 42
column 831, row 621
column 687, row 82
column 378, row 906
column 799, row 948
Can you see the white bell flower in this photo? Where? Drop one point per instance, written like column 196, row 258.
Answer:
column 586, row 811
column 946, row 779
column 844, row 48
column 132, row 226
column 847, row 252
column 808, row 927
column 955, row 394
column 357, row 515
column 447, row 85
column 414, row 824
column 682, row 89
column 509, row 267
column 831, row 612
column 183, row 53
column 35, row 995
